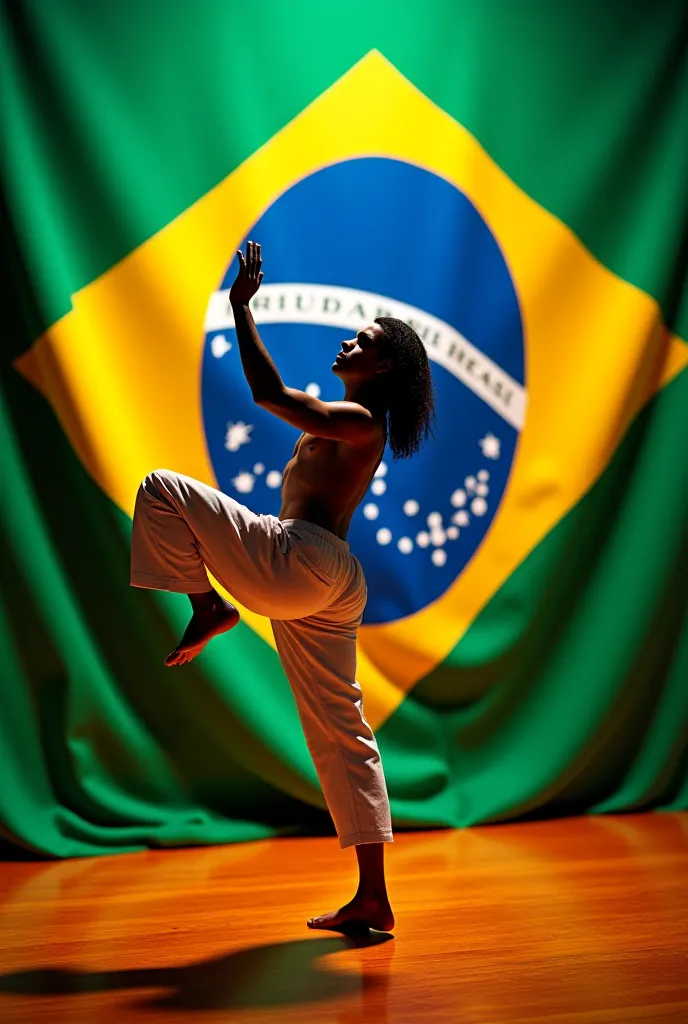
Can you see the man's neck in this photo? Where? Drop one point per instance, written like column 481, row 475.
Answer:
column 368, row 395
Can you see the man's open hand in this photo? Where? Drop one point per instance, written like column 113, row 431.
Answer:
column 249, row 277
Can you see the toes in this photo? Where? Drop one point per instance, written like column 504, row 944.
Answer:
column 179, row 657
column 321, row 922
column 352, row 926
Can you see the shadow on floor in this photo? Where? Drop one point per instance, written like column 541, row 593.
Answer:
column 279, row 974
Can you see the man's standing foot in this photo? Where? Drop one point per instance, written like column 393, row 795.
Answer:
column 362, row 912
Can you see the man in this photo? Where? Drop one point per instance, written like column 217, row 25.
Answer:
column 297, row 568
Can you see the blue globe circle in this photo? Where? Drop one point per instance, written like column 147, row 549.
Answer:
column 390, row 228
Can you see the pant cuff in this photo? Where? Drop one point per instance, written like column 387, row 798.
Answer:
column 358, row 838
column 154, row 582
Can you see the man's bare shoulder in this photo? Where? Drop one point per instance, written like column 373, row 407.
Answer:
column 372, row 442
column 338, row 421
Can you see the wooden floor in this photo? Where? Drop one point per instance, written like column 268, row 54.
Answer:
column 573, row 920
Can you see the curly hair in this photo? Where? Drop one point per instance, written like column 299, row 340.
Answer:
column 409, row 389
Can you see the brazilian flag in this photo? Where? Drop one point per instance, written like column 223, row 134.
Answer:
column 509, row 178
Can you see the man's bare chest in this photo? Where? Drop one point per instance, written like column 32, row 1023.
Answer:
column 327, row 462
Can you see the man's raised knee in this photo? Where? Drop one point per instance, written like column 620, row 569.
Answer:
column 151, row 481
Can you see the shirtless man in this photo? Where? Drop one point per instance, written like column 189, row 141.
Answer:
column 388, row 395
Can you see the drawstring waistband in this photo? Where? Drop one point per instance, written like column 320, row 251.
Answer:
column 319, row 531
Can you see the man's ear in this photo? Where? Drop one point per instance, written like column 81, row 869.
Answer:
column 383, row 366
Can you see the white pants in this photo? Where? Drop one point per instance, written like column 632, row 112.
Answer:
column 310, row 586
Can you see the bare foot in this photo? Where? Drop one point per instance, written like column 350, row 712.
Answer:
column 204, row 624
column 361, row 912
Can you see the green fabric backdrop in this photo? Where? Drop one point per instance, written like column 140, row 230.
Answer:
column 115, row 119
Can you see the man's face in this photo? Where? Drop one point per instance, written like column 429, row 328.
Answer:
column 361, row 357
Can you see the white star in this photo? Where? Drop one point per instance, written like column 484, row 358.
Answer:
column 274, row 478
column 452, row 532
column 371, row 511
column 461, row 518
column 259, row 468
column 478, row 506
column 378, row 487
column 405, row 545
column 237, row 434
column 219, row 345
column 244, row 482
column 439, row 556
column 383, row 535
column 490, row 446
column 422, row 539
column 313, row 389
column 381, row 470
column 411, row 507
column 458, row 498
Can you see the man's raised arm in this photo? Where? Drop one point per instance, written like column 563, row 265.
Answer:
column 338, row 421
column 261, row 373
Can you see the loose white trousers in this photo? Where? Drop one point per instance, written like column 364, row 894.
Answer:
column 311, row 587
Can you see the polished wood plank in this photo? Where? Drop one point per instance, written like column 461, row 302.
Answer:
column 572, row 921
